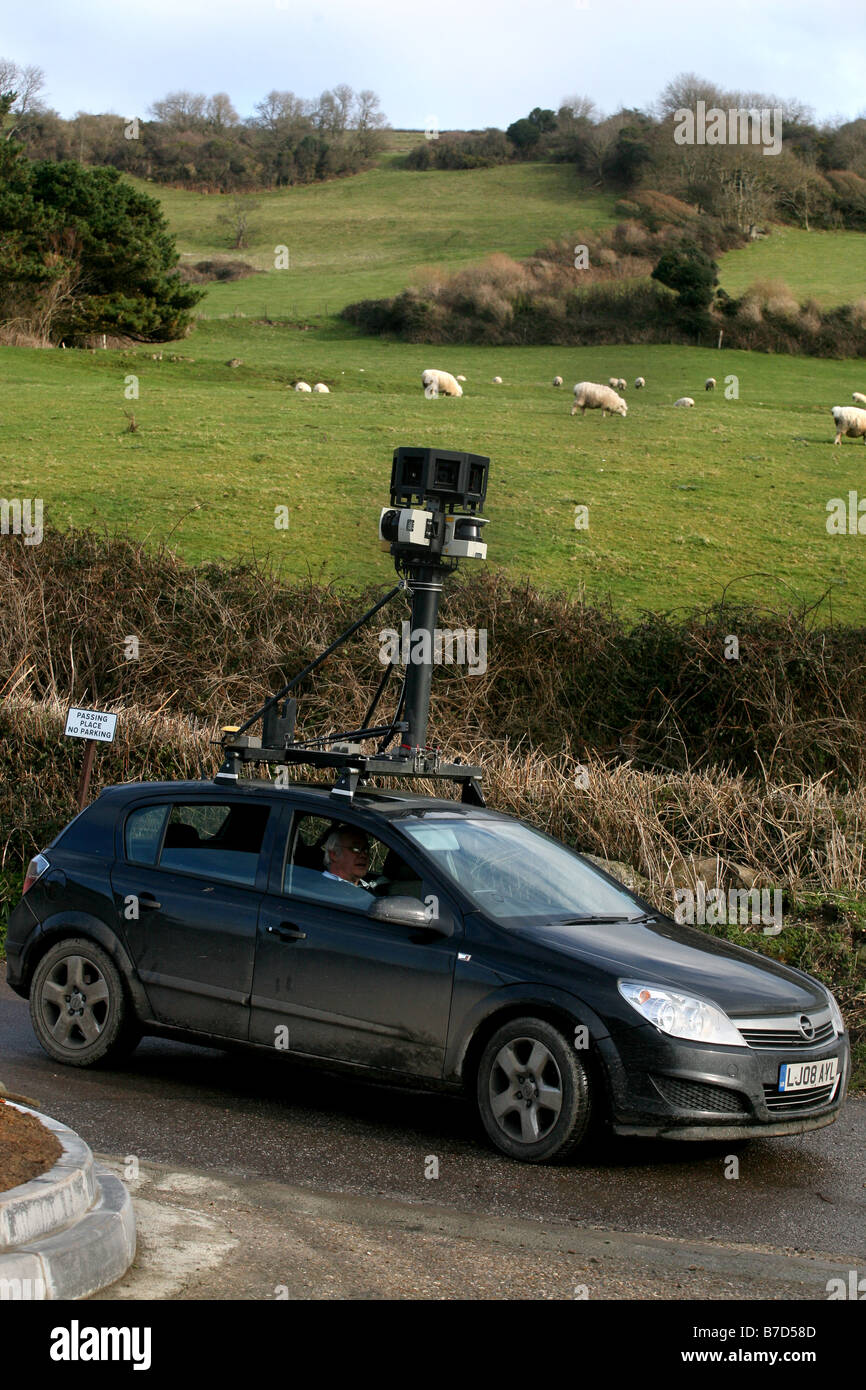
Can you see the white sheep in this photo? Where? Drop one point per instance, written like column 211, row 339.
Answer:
column 849, row 420
column 591, row 395
column 302, row 386
column 859, row 397
column 557, row 381
column 684, row 400
column 710, row 383
column 616, row 383
column 461, row 378
column 639, row 382
column 497, row 381
column 437, row 383
column 322, row 388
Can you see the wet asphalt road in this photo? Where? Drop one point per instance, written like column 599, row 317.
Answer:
column 257, row 1116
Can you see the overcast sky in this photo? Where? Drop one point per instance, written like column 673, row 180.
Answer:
column 466, row 63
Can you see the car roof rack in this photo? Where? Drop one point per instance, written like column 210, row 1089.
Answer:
column 427, row 540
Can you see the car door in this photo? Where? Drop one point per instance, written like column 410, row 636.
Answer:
column 330, row 982
column 187, row 883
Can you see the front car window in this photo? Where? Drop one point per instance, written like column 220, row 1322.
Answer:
column 337, row 862
column 515, row 874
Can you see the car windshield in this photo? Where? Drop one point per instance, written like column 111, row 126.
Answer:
column 517, row 875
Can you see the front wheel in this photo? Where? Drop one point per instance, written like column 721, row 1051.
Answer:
column 78, row 1006
column 533, row 1092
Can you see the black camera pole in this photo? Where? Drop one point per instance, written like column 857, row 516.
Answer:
column 425, row 583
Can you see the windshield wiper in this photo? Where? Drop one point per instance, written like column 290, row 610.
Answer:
column 580, row 921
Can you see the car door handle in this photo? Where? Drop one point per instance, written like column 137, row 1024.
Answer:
column 287, row 931
column 147, row 900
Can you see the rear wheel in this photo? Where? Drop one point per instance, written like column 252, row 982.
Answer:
column 78, row 1006
column 533, row 1092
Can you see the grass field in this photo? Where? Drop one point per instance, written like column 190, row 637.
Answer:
column 681, row 503
column 827, row 266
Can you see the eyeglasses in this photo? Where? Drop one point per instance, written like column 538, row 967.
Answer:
column 356, row 849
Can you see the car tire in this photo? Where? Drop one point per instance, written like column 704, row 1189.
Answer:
column 533, row 1092
column 78, row 1006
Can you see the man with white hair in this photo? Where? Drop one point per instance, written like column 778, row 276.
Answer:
column 347, row 854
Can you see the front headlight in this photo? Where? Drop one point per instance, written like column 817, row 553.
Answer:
column 681, row 1015
column 836, row 1018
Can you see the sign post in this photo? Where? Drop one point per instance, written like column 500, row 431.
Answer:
column 94, row 727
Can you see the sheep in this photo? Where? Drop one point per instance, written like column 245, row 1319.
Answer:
column 617, row 383
column 858, row 397
column 639, row 382
column 497, row 381
column 302, row 386
column 461, row 378
column 684, row 400
column 557, row 381
column 437, row 383
column 849, row 420
column 591, row 395
column 710, row 383
column 322, row 388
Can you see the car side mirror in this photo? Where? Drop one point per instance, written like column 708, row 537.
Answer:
column 407, row 912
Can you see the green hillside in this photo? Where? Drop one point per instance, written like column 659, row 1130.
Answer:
column 363, row 237
column 827, row 266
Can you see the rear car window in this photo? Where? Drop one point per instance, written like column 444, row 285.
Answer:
column 219, row 840
column 144, row 833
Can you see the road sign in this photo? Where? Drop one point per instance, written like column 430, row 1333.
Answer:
column 90, row 724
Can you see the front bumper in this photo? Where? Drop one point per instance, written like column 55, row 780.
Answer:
column 663, row 1087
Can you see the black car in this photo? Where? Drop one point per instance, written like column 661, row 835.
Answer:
column 417, row 939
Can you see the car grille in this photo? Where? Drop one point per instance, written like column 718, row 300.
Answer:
column 787, row 1038
column 699, row 1095
column 798, row 1102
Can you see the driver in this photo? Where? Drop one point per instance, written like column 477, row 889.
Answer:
column 347, row 854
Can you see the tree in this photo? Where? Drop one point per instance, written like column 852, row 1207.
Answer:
column 684, row 92
column 369, row 122
column 544, row 120
column 185, row 110
column 694, row 275
column 219, row 111
column 88, row 251
column 23, row 86
column 801, row 190
column 576, row 112
column 237, row 221
column 523, row 134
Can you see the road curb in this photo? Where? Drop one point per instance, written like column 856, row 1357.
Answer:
column 67, row 1233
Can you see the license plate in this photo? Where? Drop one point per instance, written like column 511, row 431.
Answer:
column 801, row 1076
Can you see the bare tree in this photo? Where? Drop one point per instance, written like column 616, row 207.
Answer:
column 26, row 83
column 185, row 110
column 279, row 109
column 683, row 93
column 369, row 121
column 801, row 189
column 219, row 111
column 237, row 222
column 576, row 111
column 343, row 96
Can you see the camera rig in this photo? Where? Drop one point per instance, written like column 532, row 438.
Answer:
column 431, row 524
